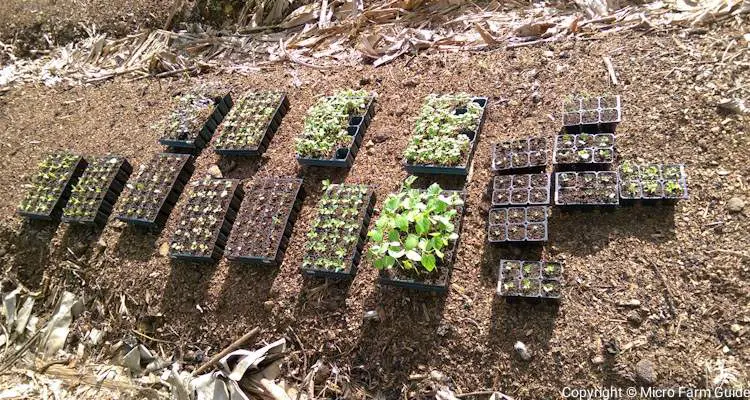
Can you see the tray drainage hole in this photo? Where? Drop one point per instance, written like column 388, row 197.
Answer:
column 342, row 153
column 352, row 130
column 355, row 120
column 461, row 110
column 470, row 134
column 481, row 102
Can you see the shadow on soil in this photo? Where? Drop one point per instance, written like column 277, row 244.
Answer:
column 32, row 250
column 136, row 244
column 583, row 233
column 403, row 341
column 186, row 286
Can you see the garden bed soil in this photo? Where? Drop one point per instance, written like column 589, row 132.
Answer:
column 463, row 169
column 263, row 227
column 267, row 128
column 206, row 220
column 528, row 154
column 151, row 195
column 55, row 193
column 344, row 156
column 94, row 195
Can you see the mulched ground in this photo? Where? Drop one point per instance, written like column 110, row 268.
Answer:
column 668, row 259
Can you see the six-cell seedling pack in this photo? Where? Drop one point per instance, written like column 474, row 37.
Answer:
column 517, row 224
column 334, row 243
column 263, row 227
column 251, row 123
column 150, row 196
column 96, row 192
column 591, row 114
column 206, row 220
column 334, row 128
column 445, row 135
column 530, row 279
column 654, row 182
column 519, row 155
column 521, row 190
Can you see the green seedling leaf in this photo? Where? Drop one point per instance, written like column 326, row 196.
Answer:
column 428, row 261
column 413, row 255
column 411, row 242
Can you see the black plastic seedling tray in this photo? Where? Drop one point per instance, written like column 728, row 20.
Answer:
column 584, row 151
column 240, row 236
column 416, row 169
column 270, row 130
column 389, row 278
column 55, row 212
column 344, row 157
column 521, row 190
column 583, row 189
column 220, row 234
column 167, row 198
column 522, row 155
column 110, row 189
column 222, row 105
column 650, row 184
column 513, row 225
column 518, row 279
column 591, row 114
column 353, row 259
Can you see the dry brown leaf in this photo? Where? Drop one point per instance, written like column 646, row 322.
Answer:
column 486, row 36
column 533, row 29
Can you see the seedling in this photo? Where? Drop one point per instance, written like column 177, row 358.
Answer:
column 264, row 224
column 249, row 126
column 335, row 240
column 206, row 220
column 97, row 190
column 445, row 134
column 415, row 235
column 51, row 186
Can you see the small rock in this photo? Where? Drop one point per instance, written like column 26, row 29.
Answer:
column 646, row 371
column 189, row 356
column 723, row 172
column 736, row 328
column 371, row 315
column 322, row 374
column 437, row 376
column 117, row 224
column 214, row 171
column 735, row 205
column 536, row 98
column 522, row 351
column 268, row 305
column 101, row 244
column 630, row 303
column 598, row 360
column 634, row 317
column 409, row 82
column 380, row 138
column 369, row 144
column 164, row 249
column 549, row 53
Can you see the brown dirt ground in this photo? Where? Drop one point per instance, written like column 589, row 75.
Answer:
column 663, row 257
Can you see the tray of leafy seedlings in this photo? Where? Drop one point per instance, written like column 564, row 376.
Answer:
column 415, row 238
column 192, row 122
column 334, row 128
column 523, row 154
column 521, row 190
column 150, row 196
column 584, row 151
column 337, row 235
column 591, row 114
column 517, row 224
column 264, row 224
column 652, row 182
column 586, row 188
column 445, row 134
column 206, row 220
column 95, row 193
column 251, row 123
column 530, row 279
column 50, row 188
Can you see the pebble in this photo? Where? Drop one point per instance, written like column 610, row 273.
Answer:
column 164, row 249
column 214, row 171
column 369, row 144
column 598, row 360
column 410, row 82
column 646, row 371
column 630, row 303
column 380, row 138
column 736, row 328
column 268, row 305
column 735, row 205
column 634, row 317
column 522, row 351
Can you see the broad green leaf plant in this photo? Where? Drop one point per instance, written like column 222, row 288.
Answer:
column 440, row 133
column 326, row 123
column 415, row 228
